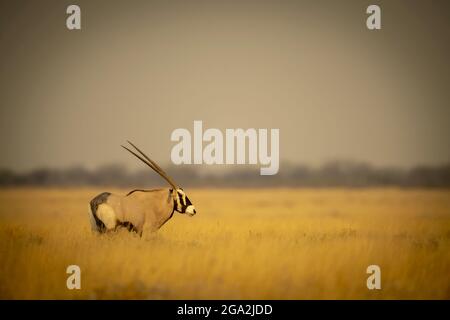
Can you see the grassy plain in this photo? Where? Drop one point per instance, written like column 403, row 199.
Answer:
column 242, row 244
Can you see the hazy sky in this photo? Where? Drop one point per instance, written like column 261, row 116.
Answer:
column 140, row 69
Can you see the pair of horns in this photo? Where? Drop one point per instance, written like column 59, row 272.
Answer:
column 152, row 164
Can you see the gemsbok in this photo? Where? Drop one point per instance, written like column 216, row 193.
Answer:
column 139, row 208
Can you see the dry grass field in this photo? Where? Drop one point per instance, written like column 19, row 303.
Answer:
column 242, row 244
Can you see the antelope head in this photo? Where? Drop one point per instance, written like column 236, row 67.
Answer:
column 182, row 204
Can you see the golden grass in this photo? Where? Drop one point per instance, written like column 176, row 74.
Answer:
column 242, row 244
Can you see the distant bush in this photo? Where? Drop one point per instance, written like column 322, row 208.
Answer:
column 333, row 174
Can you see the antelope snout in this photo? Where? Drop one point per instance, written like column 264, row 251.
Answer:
column 190, row 210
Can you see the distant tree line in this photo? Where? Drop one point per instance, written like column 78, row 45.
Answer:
column 333, row 174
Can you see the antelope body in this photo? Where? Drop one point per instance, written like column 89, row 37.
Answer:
column 139, row 208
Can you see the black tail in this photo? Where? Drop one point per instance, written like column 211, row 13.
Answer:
column 98, row 200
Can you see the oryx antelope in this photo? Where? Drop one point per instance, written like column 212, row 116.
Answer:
column 139, row 208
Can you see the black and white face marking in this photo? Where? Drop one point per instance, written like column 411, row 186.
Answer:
column 183, row 204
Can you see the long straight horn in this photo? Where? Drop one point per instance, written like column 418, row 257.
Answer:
column 155, row 165
column 152, row 165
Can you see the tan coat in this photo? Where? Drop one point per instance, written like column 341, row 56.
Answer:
column 139, row 209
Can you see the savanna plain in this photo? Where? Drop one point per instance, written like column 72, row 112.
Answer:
column 242, row 244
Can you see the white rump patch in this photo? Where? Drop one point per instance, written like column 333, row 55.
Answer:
column 107, row 215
